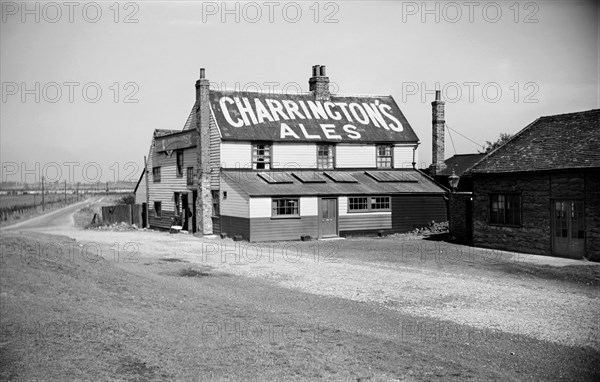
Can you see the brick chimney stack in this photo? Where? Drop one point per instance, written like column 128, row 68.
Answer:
column 204, row 200
column 437, row 141
column 319, row 83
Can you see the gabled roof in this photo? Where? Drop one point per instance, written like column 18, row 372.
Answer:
column 564, row 141
column 190, row 123
column 300, row 117
column 288, row 182
column 460, row 163
column 137, row 185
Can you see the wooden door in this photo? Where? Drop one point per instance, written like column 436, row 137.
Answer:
column 328, row 217
column 185, row 215
column 568, row 234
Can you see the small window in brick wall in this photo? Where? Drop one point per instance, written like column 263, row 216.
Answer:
column 505, row 209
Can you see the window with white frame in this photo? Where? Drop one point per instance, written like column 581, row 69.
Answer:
column 285, row 207
column 384, row 156
column 369, row 203
column 261, row 156
column 325, row 156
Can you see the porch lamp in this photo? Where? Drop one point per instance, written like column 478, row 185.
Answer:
column 453, row 180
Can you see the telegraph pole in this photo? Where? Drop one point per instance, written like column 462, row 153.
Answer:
column 65, row 192
column 43, row 201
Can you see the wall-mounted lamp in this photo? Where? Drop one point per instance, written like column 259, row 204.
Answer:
column 453, row 180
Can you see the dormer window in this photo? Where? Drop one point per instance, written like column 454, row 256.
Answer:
column 261, row 156
column 325, row 157
column 384, row 156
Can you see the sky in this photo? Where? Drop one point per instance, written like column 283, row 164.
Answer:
column 84, row 84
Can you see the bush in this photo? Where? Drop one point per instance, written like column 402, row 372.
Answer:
column 127, row 199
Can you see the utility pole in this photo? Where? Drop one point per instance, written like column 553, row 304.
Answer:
column 65, row 192
column 77, row 191
column 43, row 200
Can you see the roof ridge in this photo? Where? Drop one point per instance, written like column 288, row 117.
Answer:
column 570, row 113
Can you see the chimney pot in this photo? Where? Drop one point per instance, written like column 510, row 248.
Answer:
column 438, row 95
column 323, row 71
column 201, row 72
column 315, row 71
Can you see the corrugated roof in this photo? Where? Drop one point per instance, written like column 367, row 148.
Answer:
column 564, row 141
column 254, row 185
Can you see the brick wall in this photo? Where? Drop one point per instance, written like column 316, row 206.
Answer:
column 534, row 234
column 537, row 193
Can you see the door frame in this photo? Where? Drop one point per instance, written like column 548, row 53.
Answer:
column 553, row 227
column 337, row 216
column 184, row 210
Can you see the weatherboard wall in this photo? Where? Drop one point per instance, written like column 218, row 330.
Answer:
column 403, row 156
column 264, row 227
column 170, row 183
column 236, row 154
column 415, row 211
column 294, row 155
column 355, row 156
column 215, row 154
column 367, row 221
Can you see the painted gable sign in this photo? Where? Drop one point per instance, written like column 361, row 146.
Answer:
column 299, row 117
column 176, row 141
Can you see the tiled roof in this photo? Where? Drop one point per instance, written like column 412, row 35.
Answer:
column 255, row 185
column 460, row 163
column 564, row 141
column 299, row 117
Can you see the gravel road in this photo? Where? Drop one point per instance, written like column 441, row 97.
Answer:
column 559, row 312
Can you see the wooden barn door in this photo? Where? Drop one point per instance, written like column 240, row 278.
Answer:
column 328, row 217
column 568, row 229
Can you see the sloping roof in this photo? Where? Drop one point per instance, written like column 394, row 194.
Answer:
column 564, row 141
column 253, row 184
column 190, row 123
column 162, row 132
column 300, row 118
column 460, row 163
column 137, row 185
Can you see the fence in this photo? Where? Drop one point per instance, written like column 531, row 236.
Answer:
column 16, row 211
column 123, row 213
